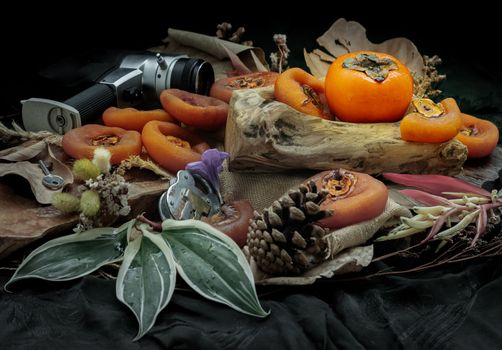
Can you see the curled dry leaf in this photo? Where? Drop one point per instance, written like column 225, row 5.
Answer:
column 215, row 48
column 352, row 260
column 22, row 161
column 349, row 36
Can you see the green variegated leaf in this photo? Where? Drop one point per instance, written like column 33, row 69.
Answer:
column 75, row 255
column 147, row 278
column 212, row 264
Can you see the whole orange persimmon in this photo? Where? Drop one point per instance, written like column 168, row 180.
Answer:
column 368, row 87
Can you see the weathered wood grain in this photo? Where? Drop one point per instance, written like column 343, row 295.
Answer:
column 263, row 135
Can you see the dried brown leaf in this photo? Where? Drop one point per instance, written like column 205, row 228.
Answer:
column 349, row 36
column 351, row 260
column 324, row 56
column 215, row 47
column 318, row 68
column 23, row 161
column 239, row 66
column 259, row 65
column 22, row 152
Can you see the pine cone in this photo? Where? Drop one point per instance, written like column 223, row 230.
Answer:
column 285, row 240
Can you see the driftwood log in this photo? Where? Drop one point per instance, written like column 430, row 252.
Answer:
column 264, row 135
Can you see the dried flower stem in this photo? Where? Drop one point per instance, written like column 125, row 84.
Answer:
column 155, row 225
column 279, row 59
column 424, row 86
column 138, row 162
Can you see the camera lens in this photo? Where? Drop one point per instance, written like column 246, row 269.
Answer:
column 192, row 74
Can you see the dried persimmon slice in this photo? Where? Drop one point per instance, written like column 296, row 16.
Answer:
column 195, row 110
column 171, row 146
column 81, row 142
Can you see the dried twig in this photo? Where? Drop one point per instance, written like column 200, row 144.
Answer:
column 138, row 162
column 224, row 32
column 17, row 134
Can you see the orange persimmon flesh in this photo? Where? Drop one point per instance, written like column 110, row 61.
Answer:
column 195, row 110
column 478, row 135
column 358, row 197
column 133, row 119
column 302, row 91
column 222, row 89
column 171, row 146
column 358, row 91
column 417, row 127
column 233, row 220
column 81, row 142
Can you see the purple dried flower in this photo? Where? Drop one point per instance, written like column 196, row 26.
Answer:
column 210, row 166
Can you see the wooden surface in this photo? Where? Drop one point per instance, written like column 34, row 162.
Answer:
column 23, row 220
column 478, row 171
column 266, row 135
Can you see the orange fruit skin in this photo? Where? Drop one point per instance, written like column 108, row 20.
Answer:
column 167, row 154
column 133, row 119
column 77, row 143
column 355, row 97
column 235, row 226
column 484, row 142
column 199, row 111
column 222, row 89
column 288, row 89
column 416, row 128
column 366, row 201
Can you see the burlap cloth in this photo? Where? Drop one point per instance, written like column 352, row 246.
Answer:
column 347, row 249
column 261, row 189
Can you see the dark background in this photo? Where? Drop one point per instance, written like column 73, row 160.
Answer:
column 454, row 307
column 36, row 36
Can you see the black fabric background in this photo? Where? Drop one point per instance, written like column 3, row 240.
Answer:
column 453, row 307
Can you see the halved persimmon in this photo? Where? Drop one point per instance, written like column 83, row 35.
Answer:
column 368, row 87
column 302, row 91
column 431, row 123
column 171, row 146
column 222, row 89
column 352, row 196
column 133, row 119
column 478, row 135
column 81, row 142
column 195, row 110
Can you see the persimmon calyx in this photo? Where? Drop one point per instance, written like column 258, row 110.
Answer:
column 339, row 183
column 311, row 96
column 246, row 83
column 427, row 108
column 374, row 67
column 105, row 140
column 469, row 130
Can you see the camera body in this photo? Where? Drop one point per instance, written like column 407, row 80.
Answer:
column 137, row 81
